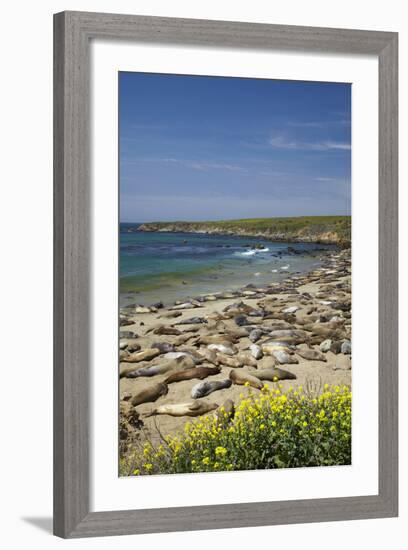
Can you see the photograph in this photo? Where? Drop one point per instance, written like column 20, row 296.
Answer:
column 235, row 312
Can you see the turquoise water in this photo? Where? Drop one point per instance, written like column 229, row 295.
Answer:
column 169, row 266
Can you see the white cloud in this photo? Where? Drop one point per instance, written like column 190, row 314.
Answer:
column 279, row 142
column 194, row 164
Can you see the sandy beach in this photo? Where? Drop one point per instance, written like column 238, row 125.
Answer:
column 315, row 305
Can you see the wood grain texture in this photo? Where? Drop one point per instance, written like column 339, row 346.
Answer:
column 72, row 33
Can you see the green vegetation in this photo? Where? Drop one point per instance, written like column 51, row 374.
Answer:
column 324, row 229
column 270, row 429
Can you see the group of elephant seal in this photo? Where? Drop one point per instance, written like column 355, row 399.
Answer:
column 244, row 343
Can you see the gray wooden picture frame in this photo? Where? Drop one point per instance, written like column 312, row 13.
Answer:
column 72, row 34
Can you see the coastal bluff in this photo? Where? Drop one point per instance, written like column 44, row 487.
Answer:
column 311, row 229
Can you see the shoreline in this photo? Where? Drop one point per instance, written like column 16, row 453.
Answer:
column 319, row 303
column 211, row 279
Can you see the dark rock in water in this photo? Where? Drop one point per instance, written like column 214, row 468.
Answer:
column 158, row 305
column 250, row 285
column 192, row 321
column 164, row 347
column 241, row 320
column 184, row 282
column 346, row 347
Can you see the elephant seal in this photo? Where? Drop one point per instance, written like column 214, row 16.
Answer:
column 288, row 333
column 192, row 321
column 273, row 374
column 167, row 331
column 247, row 360
column 223, row 339
column 209, row 355
column 163, row 347
column 255, row 335
column 186, row 305
column 183, row 338
column 256, row 351
column 193, row 408
column 123, row 354
column 170, row 315
column 311, row 355
column 238, row 332
column 205, row 388
column 149, row 394
column 241, row 377
column 128, row 334
column 130, row 344
column 228, row 361
column 227, row 350
column 284, row 358
column 145, row 355
column 190, row 374
column 183, row 362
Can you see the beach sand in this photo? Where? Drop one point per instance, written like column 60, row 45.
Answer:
column 323, row 297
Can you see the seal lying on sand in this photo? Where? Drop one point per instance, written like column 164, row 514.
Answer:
column 163, row 347
column 222, row 348
column 273, row 374
column 193, row 408
column 223, row 339
column 283, row 357
column 240, row 377
column 183, row 362
column 311, row 354
column 168, row 331
column 149, row 394
column 190, row 374
column 210, row 355
column 192, row 321
column 205, row 388
column 270, row 346
column 145, row 355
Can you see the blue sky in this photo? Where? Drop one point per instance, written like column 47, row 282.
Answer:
column 208, row 148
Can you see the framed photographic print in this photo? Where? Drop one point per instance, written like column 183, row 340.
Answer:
column 225, row 274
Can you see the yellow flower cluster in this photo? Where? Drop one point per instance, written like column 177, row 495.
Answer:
column 271, row 429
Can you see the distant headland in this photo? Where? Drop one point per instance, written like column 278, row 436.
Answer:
column 312, row 229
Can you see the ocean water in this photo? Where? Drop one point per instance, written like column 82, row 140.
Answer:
column 169, row 266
